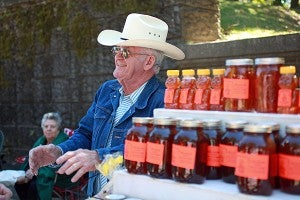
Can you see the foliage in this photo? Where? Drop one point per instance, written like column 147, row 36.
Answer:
column 249, row 19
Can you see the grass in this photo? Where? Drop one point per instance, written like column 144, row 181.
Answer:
column 241, row 20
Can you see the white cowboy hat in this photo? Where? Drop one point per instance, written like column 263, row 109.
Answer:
column 142, row 31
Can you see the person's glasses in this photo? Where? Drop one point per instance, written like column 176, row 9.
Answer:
column 124, row 52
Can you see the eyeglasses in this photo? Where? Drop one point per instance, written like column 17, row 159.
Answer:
column 124, row 52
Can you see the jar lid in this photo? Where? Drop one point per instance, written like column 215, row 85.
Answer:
column 293, row 128
column 115, row 197
column 211, row 122
column 269, row 61
column 273, row 125
column 203, row 72
column 243, row 61
column 172, row 72
column 188, row 72
column 191, row 123
column 218, row 71
column 165, row 121
column 148, row 120
column 287, row 70
column 236, row 124
column 256, row 128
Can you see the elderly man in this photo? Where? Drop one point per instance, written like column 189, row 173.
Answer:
column 138, row 52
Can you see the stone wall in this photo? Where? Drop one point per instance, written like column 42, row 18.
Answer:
column 50, row 59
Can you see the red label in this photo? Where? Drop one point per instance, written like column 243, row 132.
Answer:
column 252, row 166
column 236, row 88
column 215, row 96
column 135, row 151
column 284, row 97
column 183, row 156
column 198, row 96
column 155, row 153
column 169, row 95
column 183, row 95
column 213, row 156
column 289, row 166
column 228, row 155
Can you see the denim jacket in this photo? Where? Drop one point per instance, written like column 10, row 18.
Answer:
column 95, row 127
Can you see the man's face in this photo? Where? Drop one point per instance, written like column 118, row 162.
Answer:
column 130, row 63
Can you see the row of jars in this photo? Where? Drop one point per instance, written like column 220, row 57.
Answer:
column 251, row 155
column 264, row 86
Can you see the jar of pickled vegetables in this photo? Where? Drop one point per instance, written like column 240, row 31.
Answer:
column 266, row 84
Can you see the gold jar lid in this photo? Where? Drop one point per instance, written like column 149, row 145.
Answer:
column 293, row 128
column 273, row 125
column 236, row 124
column 211, row 122
column 256, row 128
column 191, row 123
column 165, row 121
column 143, row 120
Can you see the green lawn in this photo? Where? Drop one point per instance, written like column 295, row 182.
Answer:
column 248, row 20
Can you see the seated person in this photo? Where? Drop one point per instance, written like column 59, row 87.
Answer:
column 41, row 186
column 5, row 192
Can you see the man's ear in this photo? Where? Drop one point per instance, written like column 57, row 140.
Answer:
column 149, row 63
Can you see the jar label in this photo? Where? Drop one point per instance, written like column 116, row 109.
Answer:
column 198, row 96
column 169, row 95
column 183, row 95
column 213, row 156
column 284, row 97
column 228, row 155
column 135, row 151
column 215, row 96
column 289, row 166
column 254, row 166
column 183, row 156
column 236, row 88
column 155, row 153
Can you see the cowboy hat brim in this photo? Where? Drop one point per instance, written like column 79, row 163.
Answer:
column 113, row 38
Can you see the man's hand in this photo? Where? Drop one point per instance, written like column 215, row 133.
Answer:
column 81, row 160
column 42, row 155
column 5, row 193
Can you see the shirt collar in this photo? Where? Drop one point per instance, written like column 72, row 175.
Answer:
column 133, row 96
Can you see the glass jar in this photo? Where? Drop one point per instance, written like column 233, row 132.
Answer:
column 202, row 94
column 171, row 98
column 136, row 145
column 266, row 84
column 212, row 130
column 159, row 148
column 187, row 89
column 287, row 94
column 229, row 148
column 289, row 160
column 254, row 161
column 238, row 85
column 186, row 153
column 216, row 101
